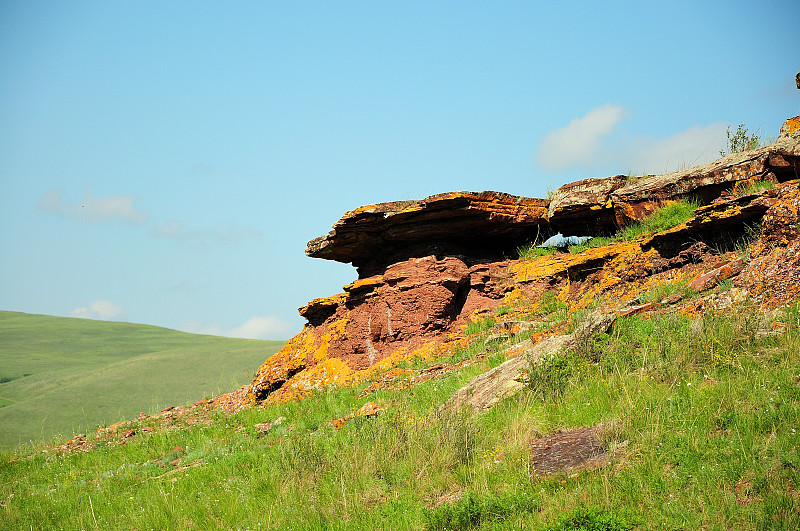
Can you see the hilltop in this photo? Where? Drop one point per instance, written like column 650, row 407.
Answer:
column 471, row 378
column 64, row 375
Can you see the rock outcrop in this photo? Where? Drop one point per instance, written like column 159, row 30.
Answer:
column 477, row 227
column 427, row 268
column 595, row 206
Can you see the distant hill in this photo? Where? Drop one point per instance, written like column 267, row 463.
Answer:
column 61, row 376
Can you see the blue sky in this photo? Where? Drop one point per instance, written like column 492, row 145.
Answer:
column 166, row 162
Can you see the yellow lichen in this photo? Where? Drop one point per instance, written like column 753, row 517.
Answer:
column 791, row 125
column 335, row 331
column 322, row 302
column 514, row 297
column 364, row 283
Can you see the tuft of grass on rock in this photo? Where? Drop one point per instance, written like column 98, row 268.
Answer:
column 531, row 251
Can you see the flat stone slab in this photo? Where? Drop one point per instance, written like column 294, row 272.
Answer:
column 569, row 451
column 477, row 225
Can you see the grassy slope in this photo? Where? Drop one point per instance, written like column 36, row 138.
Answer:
column 705, row 413
column 70, row 375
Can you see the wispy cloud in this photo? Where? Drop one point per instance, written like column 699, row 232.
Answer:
column 219, row 235
column 583, row 144
column 257, row 327
column 262, row 327
column 694, row 146
column 94, row 209
column 578, row 143
column 101, row 309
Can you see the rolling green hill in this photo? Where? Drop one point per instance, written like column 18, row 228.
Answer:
column 61, row 376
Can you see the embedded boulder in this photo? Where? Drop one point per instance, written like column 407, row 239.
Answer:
column 478, row 227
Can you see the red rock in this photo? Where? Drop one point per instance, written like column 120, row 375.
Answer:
column 712, row 278
column 569, row 451
column 707, row 182
column 413, row 302
column 772, row 277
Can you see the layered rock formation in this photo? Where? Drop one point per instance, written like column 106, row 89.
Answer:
column 595, row 206
column 427, row 268
column 473, row 226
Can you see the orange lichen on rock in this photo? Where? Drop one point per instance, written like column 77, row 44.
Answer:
column 329, row 372
column 426, row 268
column 337, row 330
column 370, row 409
column 713, row 277
column 772, row 276
column 282, row 365
column 563, row 265
column 789, row 128
column 322, row 306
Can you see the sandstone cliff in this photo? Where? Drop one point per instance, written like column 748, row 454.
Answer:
column 427, row 268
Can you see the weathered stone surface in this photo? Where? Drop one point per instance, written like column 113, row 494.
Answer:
column 585, row 207
column 715, row 276
column 772, row 276
column 569, row 451
column 480, row 226
column 489, row 388
column 721, row 223
column 777, row 161
column 790, row 128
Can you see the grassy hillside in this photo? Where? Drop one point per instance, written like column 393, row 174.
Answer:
column 703, row 418
column 62, row 376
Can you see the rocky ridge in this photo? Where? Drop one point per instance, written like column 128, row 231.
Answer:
column 428, row 268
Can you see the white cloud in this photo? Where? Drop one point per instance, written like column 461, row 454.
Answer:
column 100, row 309
column 686, row 149
column 219, row 235
column 578, row 143
column 581, row 145
column 94, row 209
column 257, row 327
column 262, row 327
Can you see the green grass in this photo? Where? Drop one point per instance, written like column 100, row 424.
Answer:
column 531, row 251
column 705, row 414
column 754, row 187
column 65, row 376
column 661, row 291
column 664, row 218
